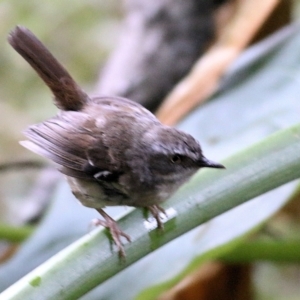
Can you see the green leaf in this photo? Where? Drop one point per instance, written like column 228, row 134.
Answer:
column 15, row 234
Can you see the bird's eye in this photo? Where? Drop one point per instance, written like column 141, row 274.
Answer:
column 176, row 159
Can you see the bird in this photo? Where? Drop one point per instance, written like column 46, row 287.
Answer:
column 112, row 150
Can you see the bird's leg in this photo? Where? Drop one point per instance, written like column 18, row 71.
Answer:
column 114, row 230
column 155, row 211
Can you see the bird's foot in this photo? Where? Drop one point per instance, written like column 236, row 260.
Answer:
column 115, row 231
column 156, row 210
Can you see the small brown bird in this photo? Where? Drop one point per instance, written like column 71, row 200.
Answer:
column 112, row 150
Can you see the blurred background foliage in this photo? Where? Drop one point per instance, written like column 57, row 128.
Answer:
column 80, row 34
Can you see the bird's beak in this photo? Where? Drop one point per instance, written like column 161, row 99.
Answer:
column 205, row 163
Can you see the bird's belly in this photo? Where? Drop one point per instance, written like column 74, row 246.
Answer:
column 92, row 194
column 96, row 195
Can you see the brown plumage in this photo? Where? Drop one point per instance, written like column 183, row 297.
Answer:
column 112, row 150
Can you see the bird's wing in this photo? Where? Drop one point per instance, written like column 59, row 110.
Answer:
column 89, row 144
column 66, row 140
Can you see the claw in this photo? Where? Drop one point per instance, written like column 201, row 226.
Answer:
column 115, row 231
column 155, row 211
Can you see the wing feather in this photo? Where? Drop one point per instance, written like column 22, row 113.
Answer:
column 56, row 139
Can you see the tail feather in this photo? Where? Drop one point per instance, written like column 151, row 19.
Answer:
column 68, row 95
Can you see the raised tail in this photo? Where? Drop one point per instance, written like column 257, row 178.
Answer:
column 68, row 95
